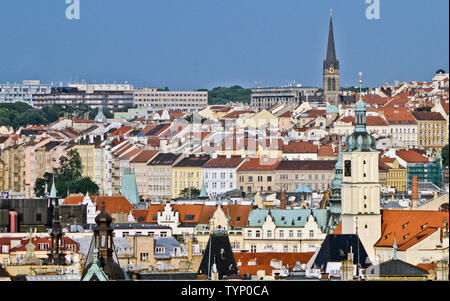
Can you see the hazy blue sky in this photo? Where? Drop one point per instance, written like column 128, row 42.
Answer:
column 191, row 44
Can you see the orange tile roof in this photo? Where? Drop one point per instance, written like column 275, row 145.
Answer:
column 224, row 162
column 338, row 229
column 409, row 227
column 370, row 120
column 113, row 204
column 401, row 115
column 237, row 113
column 259, row 164
column 411, row 156
column 314, row 113
column 296, row 147
column 264, row 259
column 327, row 151
column 145, row 156
column 427, row 266
column 131, row 153
column 122, row 130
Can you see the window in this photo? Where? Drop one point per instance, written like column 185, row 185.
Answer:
column 43, row 246
column 311, row 233
column 285, row 249
column 249, row 233
column 299, row 233
column 269, row 179
column 295, row 249
column 291, row 233
column 253, row 248
column 281, row 233
column 348, row 168
column 189, row 217
column 269, row 233
column 258, row 234
column 160, row 250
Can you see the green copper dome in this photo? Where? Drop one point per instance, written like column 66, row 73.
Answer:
column 360, row 140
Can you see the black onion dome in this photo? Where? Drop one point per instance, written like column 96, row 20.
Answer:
column 103, row 217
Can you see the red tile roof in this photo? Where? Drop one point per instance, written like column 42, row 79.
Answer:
column 300, row 147
column 263, row 261
column 113, row 204
column 411, row 156
column 435, row 116
column 409, row 227
column 145, row 156
column 237, row 113
column 398, row 116
column 370, row 120
column 259, row 164
column 224, row 162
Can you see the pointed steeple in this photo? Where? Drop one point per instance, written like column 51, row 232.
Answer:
column 331, row 59
column 395, row 249
column 203, row 193
column 53, row 189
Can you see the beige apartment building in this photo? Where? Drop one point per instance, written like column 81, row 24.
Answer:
column 159, row 179
column 432, row 130
column 257, row 174
column 187, row 101
column 317, row 174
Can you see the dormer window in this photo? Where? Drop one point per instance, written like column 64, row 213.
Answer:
column 405, row 236
column 424, row 226
column 387, row 236
column 404, row 225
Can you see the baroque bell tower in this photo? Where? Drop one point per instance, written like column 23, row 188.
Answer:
column 331, row 72
column 360, row 197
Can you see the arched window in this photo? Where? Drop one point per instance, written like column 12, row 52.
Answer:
column 329, row 84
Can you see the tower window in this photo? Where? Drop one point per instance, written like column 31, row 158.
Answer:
column 348, row 168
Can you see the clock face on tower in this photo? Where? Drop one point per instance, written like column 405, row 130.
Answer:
column 331, row 70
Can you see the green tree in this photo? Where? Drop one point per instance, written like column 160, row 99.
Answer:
column 445, row 155
column 68, row 178
column 193, row 191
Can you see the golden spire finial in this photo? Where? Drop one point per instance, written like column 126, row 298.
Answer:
column 331, row 12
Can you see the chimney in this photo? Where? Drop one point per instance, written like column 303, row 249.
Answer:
column 415, row 192
column 13, row 222
column 189, row 249
column 283, row 199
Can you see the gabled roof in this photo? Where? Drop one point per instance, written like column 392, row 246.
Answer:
column 409, row 227
column 336, row 247
column 395, row 267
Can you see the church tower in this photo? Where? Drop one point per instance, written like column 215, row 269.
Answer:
column 331, row 71
column 360, row 186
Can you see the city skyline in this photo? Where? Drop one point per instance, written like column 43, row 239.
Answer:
column 245, row 44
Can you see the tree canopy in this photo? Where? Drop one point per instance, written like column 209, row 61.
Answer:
column 185, row 192
column 68, row 178
column 223, row 95
column 20, row 114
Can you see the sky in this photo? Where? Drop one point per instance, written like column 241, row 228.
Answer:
column 193, row 44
